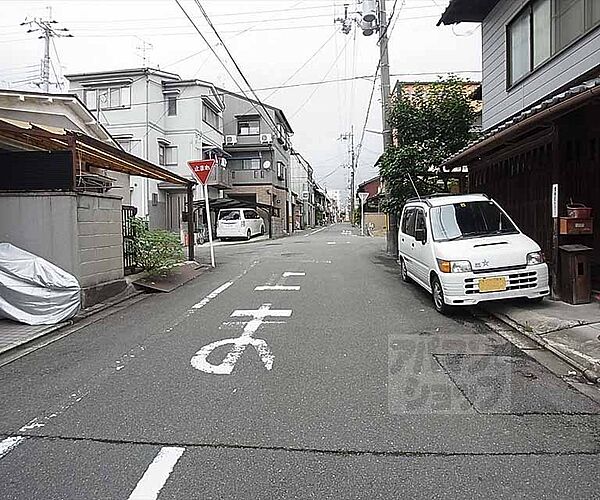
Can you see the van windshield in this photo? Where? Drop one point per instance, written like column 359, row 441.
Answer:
column 469, row 220
column 229, row 215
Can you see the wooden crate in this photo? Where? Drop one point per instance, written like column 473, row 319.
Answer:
column 571, row 225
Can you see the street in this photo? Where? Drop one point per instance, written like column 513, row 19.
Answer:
column 299, row 368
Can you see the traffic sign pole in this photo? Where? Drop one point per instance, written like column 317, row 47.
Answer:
column 201, row 170
column 210, row 235
column 363, row 197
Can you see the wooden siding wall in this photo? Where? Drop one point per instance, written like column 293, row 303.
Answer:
column 560, row 71
column 521, row 183
column 580, row 166
column 519, row 177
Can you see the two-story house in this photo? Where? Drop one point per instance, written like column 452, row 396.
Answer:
column 303, row 184
column 257, row 138
column 168, row 121
column 540, row 146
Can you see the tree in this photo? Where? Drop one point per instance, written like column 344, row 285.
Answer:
column 156, row 250
column 429, row 125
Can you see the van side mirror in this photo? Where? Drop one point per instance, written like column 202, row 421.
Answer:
column 421, row 235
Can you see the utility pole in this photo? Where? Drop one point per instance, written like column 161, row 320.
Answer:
column 345, row 137
column 48, row 31
column 374, row 19
column 384, row 65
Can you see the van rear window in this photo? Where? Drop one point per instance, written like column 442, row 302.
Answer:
column 229, row 215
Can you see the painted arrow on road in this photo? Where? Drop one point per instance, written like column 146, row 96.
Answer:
column 200, row 359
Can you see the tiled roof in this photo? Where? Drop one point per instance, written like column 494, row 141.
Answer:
column 590, row 85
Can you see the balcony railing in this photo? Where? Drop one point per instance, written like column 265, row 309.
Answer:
column 220, row 177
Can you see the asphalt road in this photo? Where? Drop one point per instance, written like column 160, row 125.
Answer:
column 344, row 383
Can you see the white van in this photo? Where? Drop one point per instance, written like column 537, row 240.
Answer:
column 465, row 249
column 239, row 223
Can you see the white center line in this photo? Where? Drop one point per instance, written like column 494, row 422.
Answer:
column 282, row 288
column 287, row 274
column 331, row 243
column 157, row 474
column 10, row 443
column 212, row 295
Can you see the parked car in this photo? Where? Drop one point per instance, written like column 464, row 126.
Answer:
column 465, row 249
column 239, row 223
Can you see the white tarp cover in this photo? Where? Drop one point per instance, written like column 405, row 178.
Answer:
column 34, row 291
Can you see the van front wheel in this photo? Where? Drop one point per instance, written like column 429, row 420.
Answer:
column 438, row 296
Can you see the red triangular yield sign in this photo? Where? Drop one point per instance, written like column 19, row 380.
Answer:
column 201, row 169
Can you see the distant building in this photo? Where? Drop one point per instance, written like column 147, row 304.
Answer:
column 168, row 121
column 258, row 142
column 303, row 184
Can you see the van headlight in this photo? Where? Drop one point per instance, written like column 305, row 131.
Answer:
column 454, row 266
column 535, row 258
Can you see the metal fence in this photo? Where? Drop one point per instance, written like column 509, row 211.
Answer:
column 128, row 213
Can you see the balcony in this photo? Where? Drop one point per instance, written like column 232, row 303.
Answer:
column 220, row 177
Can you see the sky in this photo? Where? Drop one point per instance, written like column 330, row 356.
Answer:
column 275, row 43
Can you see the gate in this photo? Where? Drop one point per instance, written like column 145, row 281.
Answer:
column 128, row 213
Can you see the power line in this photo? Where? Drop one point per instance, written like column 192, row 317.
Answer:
column 325, row 76
column 268, row 115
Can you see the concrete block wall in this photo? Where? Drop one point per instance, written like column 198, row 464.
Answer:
column 43, row 223
column 100, row 239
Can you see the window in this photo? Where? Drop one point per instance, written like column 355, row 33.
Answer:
column 250, row 214
column 280, row 170
column 211, row 117
column 167, row 155
column 420, row 222
column 545, row 27
column 408, row 222
column 248, row 127
column 248, row 164
column 125, row 144
column 172, row 105
column 519, row 49
column 109, row 97
column 542, row 31
column 570, row 21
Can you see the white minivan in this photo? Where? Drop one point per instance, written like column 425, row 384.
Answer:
column 239, row 223
column 465, row 249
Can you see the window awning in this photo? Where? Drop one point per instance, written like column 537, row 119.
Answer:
column 87, row 149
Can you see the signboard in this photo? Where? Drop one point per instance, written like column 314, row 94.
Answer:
column 201, row 169
column 363, row 197
column 554, row 201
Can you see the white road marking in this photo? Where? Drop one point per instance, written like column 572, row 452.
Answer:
column 281, row 288
column 331, row 242
column 10, row 443
column 157, row 474
column 212, row 295
column 287, row 274
column 315, row 232
column 200, row 362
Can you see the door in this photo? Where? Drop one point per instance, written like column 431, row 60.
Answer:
column 407, row 238
column 250, row 221
column 421, row 249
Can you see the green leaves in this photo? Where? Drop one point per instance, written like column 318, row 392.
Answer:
column 156, row 250
column 430, row 123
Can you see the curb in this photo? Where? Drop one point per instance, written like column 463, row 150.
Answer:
column 589, row 371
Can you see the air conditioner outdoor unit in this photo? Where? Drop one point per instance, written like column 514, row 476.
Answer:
column 266, row 138
column 230, row 139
